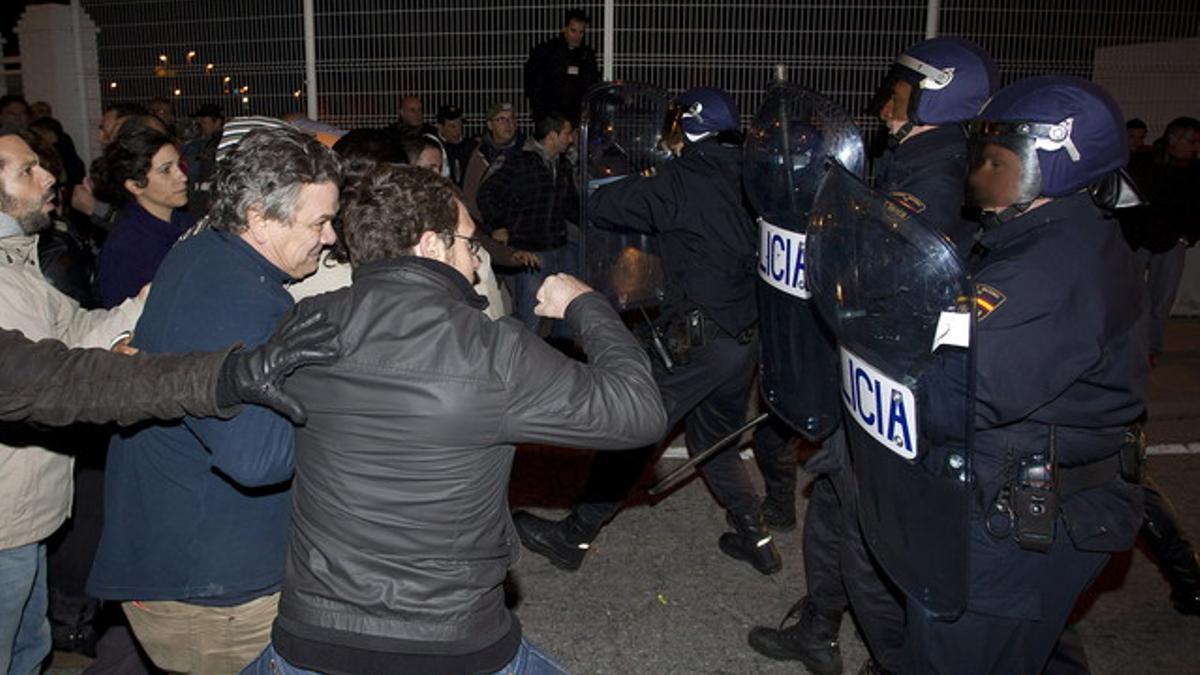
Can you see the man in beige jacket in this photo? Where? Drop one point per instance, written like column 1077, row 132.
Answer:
column 35, row 482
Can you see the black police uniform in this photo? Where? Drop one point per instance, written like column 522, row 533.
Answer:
column 1060, row 363
column 695, row 205
column 927, row 175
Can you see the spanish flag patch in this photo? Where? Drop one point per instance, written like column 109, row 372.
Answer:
column 987, row 300
column 909, row 201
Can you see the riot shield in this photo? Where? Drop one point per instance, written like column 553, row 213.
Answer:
column 619, row 136
column 787, row 151
column 898, row 299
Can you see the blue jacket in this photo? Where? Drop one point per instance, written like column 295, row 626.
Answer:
column 198, row 510
column 133, row 251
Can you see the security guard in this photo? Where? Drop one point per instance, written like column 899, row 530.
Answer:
column 930, row 91
column 1060, row 373
column 695, row 205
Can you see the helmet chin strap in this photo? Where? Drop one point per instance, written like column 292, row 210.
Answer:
column 993, row 219
column 895, row 139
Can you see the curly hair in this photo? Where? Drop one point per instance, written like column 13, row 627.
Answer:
column 267, row 168
column 387, row 207
column 128, row 157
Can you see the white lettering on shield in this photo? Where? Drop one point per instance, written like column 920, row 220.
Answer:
column 781, row 259
column 884, row 408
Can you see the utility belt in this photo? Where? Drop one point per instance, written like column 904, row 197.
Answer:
column 671, row 339
column 1027, row 506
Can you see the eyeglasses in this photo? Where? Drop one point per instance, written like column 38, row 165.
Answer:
column 473, row 243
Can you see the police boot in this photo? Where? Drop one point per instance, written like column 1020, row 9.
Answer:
column 812, row 640
column 752, row 543
column 1173, row 553
column 563, row 542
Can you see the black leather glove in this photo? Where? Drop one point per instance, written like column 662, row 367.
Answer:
column 254, row 376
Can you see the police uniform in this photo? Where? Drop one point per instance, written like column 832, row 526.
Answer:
column 1060, row 355
column 695, row 206
column 709, row 250
column 925, row 173
column 1060, row 374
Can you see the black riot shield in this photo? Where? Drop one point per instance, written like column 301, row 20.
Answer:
column 787, row 151
column 898, row 299
column 620, row 135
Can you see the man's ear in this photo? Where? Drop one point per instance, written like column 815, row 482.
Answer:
column 431, row 245
column 256, row 223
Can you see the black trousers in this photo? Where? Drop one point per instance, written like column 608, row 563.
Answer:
column 710, row 395
column 776, row 459
column 839, row 570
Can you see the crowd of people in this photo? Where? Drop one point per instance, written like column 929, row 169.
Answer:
column 354, row 519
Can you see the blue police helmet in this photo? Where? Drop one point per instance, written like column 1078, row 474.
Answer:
column 1068, row 131
column 951, row 77
column 707, row 110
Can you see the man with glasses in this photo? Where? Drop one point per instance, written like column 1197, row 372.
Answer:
column 401, row 535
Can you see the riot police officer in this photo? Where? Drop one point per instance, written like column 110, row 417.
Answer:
column 929, row 92
column 1060, row 372
column 695, row 205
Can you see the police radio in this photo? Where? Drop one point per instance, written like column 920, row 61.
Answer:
column 1027, row 506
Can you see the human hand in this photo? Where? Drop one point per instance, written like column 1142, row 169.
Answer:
column 557, row 293
column 527, row 259
column 256, row 376
column 82, row 198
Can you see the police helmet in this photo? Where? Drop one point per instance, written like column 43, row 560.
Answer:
column 1067, row 131
column 707, row 111
column 951, row 79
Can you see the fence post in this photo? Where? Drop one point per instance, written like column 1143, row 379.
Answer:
column 610, row 14
column 933, row 15
column 310, row 58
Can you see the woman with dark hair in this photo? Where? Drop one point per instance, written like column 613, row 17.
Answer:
column 139, row 172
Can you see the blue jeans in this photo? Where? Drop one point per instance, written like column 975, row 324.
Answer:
column 529, row 661
column 527, row 282
column 24, row 629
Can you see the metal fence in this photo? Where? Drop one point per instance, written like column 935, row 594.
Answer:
column 250, row 56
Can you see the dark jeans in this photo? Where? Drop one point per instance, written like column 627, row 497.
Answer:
column 710, row 394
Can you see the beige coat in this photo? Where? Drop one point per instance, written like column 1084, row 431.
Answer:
column 35, row 483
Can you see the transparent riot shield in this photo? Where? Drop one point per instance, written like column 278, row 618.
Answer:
column 898, row 299
column 620, row 135
column 786, row 154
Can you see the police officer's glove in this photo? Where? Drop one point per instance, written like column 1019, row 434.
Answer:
column 254, row 376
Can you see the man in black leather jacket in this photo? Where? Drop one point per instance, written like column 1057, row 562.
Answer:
column 401, row 535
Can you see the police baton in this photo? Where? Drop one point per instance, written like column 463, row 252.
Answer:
column 686, row 470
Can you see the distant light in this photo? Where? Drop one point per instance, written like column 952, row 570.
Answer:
column 245, row 88
column 245, row 99
column 227, row 78
column 112, row 85
column 191, row 55
column 178, row 92
column 162, row 57
column 296, row 93
column 208, row 66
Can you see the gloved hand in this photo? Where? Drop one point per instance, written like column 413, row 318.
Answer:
column 254, row 376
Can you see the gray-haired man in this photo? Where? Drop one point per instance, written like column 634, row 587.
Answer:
column 196, row 513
